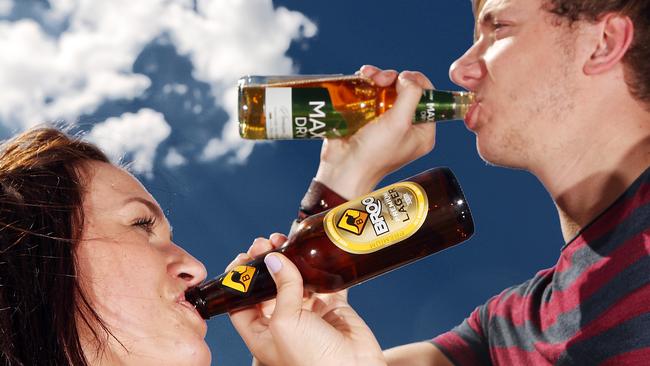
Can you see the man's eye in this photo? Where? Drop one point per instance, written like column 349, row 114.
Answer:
column 498, row 26
column 145, row 223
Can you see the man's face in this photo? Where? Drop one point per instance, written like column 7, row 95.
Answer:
column 523, row 70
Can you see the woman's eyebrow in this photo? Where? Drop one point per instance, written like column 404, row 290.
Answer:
column 152, row 206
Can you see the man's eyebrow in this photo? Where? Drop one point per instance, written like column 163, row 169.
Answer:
column 486, row 17
column 152, row 206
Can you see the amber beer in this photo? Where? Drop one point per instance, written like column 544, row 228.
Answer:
column 353, row 242
column 326, row 106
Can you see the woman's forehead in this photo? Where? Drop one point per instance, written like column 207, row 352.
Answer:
column 108, row 178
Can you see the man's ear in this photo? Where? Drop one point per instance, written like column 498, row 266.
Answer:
column 616, row 34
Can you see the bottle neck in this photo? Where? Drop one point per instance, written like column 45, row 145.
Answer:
column 439, row 105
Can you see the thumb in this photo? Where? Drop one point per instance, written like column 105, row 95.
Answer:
column 288, row 281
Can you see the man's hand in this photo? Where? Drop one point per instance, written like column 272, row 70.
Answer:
column 353, row 166
column 302, row 329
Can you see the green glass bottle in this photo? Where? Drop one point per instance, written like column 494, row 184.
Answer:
column 327, row 106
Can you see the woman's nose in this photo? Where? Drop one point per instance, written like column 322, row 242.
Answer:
column 186, row 267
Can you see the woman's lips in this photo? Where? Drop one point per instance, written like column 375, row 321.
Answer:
column 191, row 308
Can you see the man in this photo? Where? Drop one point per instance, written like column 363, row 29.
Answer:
column 563, row 91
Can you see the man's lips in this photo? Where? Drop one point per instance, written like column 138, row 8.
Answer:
column 471, row 115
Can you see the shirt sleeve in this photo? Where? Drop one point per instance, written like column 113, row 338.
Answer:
column 318, row 198
column 467, row 343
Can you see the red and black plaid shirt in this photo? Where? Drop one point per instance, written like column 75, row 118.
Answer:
column 591, row 308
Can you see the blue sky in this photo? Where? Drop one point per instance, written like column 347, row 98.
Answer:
column 157, row 88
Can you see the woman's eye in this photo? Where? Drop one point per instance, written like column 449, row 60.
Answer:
column 145, row 223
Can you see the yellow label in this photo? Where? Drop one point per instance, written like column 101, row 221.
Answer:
column 239, row 278
column 380, row 219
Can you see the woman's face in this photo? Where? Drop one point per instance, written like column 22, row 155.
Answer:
column 135, row 276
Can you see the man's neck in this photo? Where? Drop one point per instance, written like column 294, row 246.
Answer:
column 587, row 180
column 578, row 205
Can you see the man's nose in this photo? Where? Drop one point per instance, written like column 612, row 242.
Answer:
column 468, row 70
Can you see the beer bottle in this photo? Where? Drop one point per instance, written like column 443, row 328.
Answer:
column 353, row 242
column 320, row 106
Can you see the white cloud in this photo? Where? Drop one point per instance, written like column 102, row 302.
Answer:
column 174, row 158
column 5, row 7
column 135, row 134
column 47, row 77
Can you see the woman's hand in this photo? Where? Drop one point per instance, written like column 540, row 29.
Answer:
column 353, row 166
column 299, row 329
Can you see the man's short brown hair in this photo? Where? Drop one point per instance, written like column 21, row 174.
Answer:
column 637, row 57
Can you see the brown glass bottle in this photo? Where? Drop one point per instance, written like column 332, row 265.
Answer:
column 326, row 266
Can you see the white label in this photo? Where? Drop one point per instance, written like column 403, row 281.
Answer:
column 278, row 113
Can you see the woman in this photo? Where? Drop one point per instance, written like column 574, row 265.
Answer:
column 88, row 270
column 89, row 274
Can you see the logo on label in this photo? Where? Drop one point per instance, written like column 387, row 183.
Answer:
column 239, row 278
column 373, row 207
column 313, row 113
column 353, row 221
column 317, row 129
column 427, row 112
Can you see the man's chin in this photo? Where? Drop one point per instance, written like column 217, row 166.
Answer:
column 497, row 156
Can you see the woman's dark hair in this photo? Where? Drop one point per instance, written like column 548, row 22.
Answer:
column 41, row 222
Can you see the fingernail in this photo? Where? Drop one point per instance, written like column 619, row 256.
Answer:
column 406, row 76
column 254, row 243
column 276, row 237
column 273, row 263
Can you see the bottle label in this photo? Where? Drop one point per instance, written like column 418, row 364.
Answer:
column 435, row 106
column 239, row 278
column 302, row 113
column 277, row 111
column 378, row 220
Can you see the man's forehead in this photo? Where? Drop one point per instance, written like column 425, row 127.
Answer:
column 486, row 5
column 477, row 6
column 484, row 9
